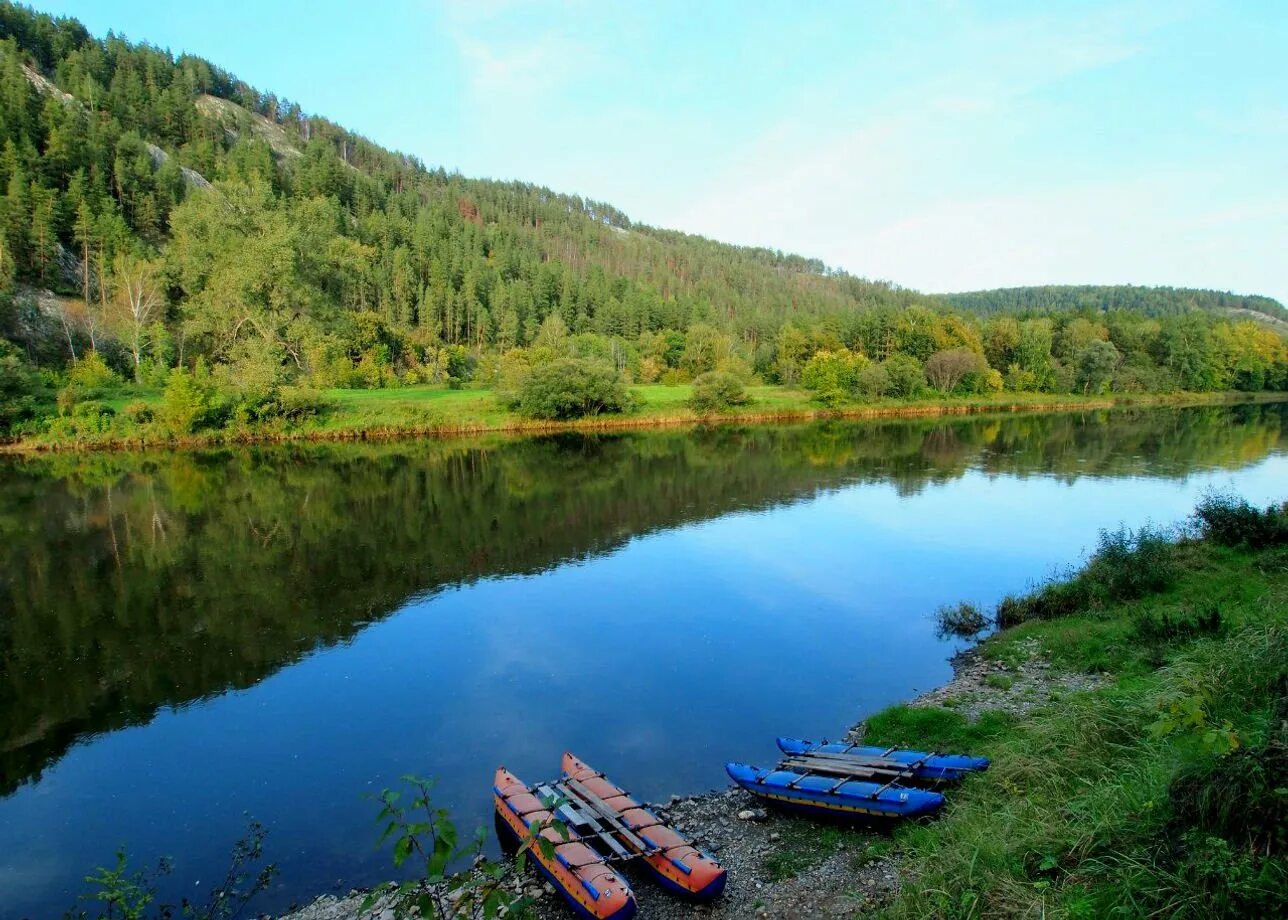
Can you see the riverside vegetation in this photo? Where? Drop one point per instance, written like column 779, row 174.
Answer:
column 1159, row 791
column 183, row 256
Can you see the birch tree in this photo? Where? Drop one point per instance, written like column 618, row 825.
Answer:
column 137, row 303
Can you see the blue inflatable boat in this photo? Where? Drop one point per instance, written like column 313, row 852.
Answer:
column 837, row 797
column 916, row 766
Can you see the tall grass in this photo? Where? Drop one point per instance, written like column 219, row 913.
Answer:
column 1162, row 794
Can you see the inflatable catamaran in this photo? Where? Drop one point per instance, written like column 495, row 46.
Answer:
column 605, row 826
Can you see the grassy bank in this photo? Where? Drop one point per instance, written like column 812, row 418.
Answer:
column 437, row 410
column 1162, row 793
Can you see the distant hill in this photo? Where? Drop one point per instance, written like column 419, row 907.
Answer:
column 1151, row 301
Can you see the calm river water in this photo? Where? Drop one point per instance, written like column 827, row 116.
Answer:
column 189, row 638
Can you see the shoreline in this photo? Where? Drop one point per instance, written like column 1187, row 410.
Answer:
column 517, row 426
column 747, row 837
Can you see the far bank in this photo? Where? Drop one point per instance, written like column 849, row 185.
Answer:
column 438, row 411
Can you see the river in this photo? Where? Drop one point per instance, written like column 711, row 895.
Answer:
column 187, row 638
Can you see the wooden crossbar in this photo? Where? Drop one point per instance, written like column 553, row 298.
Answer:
column 589, row 801
column 881, row 761
column 832, row 767
column 581, row 817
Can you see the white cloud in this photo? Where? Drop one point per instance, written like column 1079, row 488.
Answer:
column 514, row 52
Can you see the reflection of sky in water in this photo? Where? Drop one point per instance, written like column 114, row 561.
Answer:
column 680, row 650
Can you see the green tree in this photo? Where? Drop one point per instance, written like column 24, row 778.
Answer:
column 1096, row 364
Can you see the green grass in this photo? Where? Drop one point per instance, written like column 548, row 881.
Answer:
column 1095, row 804
column 437, row 409
column 999, row 681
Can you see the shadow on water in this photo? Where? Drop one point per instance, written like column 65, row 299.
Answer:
column 133, row 583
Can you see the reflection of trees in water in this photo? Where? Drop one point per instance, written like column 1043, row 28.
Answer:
column 130, row 582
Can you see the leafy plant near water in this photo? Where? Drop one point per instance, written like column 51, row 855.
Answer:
column 963, row 619
column 125, row 894
column 1127, row 564
column 427, row 834
column 1233, row 521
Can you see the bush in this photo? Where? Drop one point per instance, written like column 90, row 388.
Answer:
column 962, row 619
column 572, row 388
column 872, row 381
column 89, row 378
column 1054, row 599
column 1164, row 626
column 188, row 400
column 298, row 403
column 1130, row 564
column 1126, row 565
column 1232, row 521
column 22, row 389
column 139, row 412
column 905, row 376
column 92, row 376
column 88, row 419
column 947, row 369
column 717, row 390
column 832, row 375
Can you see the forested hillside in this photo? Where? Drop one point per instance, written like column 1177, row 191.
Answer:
column 164, row 225
column 1150, row 301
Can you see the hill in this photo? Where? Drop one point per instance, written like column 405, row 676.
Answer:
column 169, row 217
column 1149, row 301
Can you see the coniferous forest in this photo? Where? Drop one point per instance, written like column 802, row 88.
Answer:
column 167, row 229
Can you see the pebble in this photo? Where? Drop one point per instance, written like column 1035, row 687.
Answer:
column 730, row 823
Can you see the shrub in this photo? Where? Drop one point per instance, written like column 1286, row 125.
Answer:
column 1164, row 626
column 1232, row 521
column 872, row 381
column 138, row 412
column 904, row 373
column 572, row 388
column 946, row 369
column 1054, row 599
column 962, row 619
column 1130, row 564
column 716, row 390
column 1126, row 565
column 832, row 375
column 22, row 389
column 89, row 378
column 92, row 376
column 298, row 403
column 87, row 419
column 188, row 400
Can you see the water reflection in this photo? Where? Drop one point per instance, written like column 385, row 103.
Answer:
column 554, row 591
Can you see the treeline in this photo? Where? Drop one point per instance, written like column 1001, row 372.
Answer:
column 194, row 226
column 1150, row 301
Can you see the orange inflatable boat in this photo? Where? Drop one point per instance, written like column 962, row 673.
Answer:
column 673, row 861
column 578, row 872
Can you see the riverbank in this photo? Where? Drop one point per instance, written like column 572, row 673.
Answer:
column 1136, row 719
column 436, row 411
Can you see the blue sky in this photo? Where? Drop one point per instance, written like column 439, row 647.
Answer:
column 941, row 145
